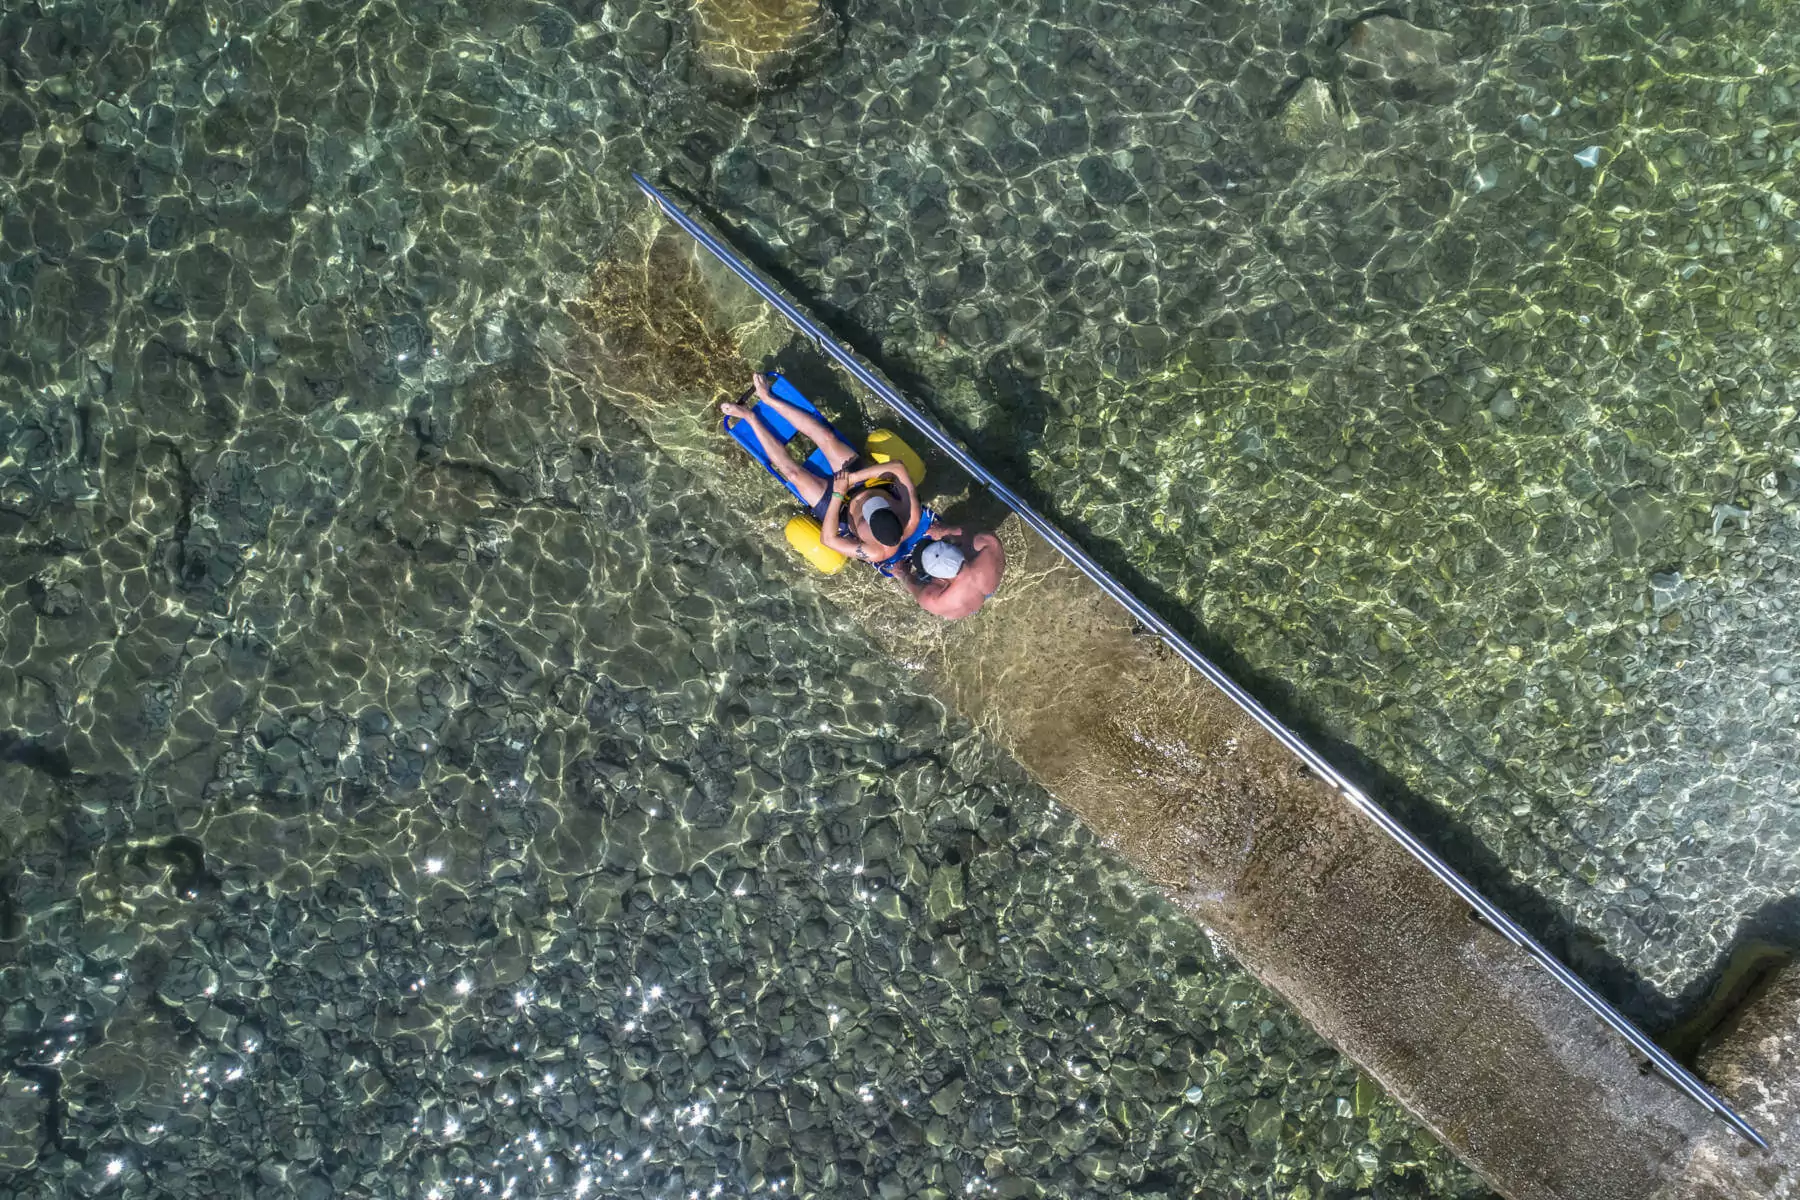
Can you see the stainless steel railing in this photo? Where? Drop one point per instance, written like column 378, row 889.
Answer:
column 1677, row 1074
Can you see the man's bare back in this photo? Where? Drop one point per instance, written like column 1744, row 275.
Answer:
column 984, row 562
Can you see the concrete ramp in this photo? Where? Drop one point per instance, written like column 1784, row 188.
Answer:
column 1461, row 1026
column 1756, row 1066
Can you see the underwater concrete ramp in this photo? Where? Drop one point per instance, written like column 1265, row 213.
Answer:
column 1462, row 1026
column 1757, row 1067
column 1506, row 1055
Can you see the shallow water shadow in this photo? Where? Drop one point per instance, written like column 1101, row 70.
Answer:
column 1010, row 385
column 1763, row 947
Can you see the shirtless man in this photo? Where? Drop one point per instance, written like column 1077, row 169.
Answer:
column 955, row 574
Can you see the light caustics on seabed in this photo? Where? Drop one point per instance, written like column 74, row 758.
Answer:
column 1677, row 1074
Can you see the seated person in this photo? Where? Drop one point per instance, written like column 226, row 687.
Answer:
column 952, row 575
column 865, row 512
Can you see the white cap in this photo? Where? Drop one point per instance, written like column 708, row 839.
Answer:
column 941, row 560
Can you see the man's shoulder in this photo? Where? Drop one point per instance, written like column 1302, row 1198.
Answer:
column 937, row 602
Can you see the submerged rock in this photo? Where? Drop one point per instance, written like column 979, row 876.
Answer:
column 1309, row 115
column 1410, row 62
column 762, row 44
column 21, row 1119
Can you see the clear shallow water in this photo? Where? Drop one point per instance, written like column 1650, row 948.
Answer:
column 1440, row 367
column 408, row 790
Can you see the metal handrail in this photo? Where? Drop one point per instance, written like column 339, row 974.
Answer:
column 1677, row 1074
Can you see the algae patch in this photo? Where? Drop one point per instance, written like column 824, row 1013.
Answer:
column 648, row 304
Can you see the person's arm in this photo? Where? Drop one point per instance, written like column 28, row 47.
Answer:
column 986, row 545
column 902, row 479
column 895, row 470
column 833, row 520
column 913, row 587
column 929, row 596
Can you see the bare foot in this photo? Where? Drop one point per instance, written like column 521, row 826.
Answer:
column 733, row 409
column 761, row 383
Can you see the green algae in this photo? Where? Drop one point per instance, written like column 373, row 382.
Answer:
column 647, row 302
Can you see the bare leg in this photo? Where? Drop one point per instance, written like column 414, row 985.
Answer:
column 810, row 486
column 838, row 452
